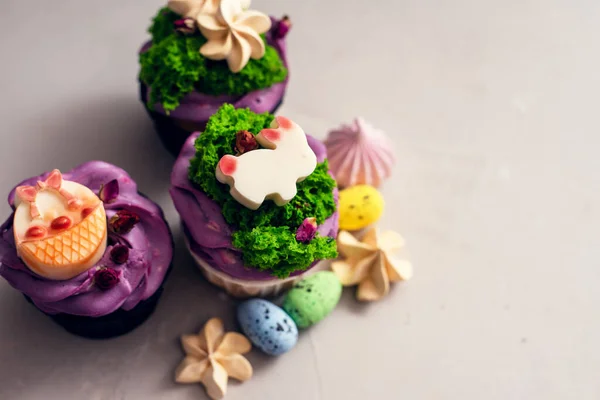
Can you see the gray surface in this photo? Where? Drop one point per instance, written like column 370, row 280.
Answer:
column 493, row 109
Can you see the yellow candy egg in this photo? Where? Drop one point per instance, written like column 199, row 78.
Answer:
column 360, row 206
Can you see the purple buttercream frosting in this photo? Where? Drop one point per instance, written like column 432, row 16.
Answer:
column 150, row 253
column 198, row 107
column 208, row 233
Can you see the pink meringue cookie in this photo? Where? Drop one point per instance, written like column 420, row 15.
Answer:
column 359, row 154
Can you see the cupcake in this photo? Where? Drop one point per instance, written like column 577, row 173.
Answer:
column 256, row 200
column 205, row 53
column 86, row 249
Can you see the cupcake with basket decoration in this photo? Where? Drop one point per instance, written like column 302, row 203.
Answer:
column 86, row 249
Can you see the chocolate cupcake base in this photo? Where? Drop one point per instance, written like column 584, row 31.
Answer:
column 174, row 133
column 117, row 323
column 108, row 326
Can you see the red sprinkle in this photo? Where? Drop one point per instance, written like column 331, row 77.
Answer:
column 245, row 142
column 36, row 232
column 186, row 26
column 119, row 254
column 307, row 230
column 106, row 278
column 123, row 221
column 87, row 211
column 282, row 28
column 109, row 192
column 60, row 223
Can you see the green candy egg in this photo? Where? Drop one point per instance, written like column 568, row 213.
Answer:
column 313, row 298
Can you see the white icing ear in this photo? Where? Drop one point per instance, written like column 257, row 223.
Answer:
column 270, row 173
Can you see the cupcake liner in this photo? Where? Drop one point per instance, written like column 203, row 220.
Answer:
column 246, row 288
column 111, row 325
column 114, row 324
column 172, row 132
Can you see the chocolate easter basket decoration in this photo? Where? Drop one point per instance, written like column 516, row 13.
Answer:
column 60, row 227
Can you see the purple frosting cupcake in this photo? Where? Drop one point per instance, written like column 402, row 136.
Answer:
column 210, row 235
column 120, row 290
column 181, row 95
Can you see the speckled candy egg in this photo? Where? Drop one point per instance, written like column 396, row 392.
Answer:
column 360, row 206
column 313, row 298
column 267, row 326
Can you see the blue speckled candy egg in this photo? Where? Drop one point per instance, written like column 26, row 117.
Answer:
column 267, row 326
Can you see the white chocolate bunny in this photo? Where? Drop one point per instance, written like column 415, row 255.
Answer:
column 270, row 173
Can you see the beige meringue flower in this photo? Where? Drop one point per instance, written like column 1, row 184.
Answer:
column 212, row 356
column 371, row 263
column 191, row 8
column 233, row 34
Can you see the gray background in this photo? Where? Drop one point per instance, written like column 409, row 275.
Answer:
column 493, row 109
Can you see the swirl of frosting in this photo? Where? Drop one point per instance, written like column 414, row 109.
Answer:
column 135, row 279
column 359, row 154
column 191, row 8
column 233, row 34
